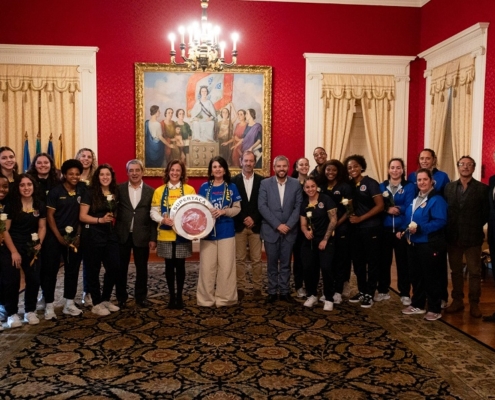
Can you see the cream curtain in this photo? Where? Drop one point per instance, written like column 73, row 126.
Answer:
column 377, row 94
column 39, row 99
column 456, row 77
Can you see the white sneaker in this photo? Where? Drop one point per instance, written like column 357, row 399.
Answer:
column 337, row 299
column 71, row 309
column 14, row 321
column 322, row 298
column 109, row 306
column 406, row 301
column 50, row 312
column 301, row 292
column 346, row 292
column 328, row 306
column 86, row 300
column 40, row 305
column 100, row 309
column 312, row 300
column 381, row 296
column 31, row 318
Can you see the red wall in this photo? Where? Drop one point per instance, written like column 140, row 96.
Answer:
column 275, row 34
column 438, row 24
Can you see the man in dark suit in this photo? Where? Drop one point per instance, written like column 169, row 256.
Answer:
column 491, row 230
column 136, row 232
column 248, row 226
column 468, row 211
column 279, row 203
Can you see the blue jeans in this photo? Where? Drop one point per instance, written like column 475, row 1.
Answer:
column 278, row 266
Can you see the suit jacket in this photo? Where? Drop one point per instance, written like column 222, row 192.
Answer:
column 465, row 222
column 274, row 214
column 144, row 228
column 249, row 208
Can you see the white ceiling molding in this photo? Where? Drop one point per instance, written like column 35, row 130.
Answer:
column 350, row 64
column 84, row 58
column 389, row 3
column 472, row 40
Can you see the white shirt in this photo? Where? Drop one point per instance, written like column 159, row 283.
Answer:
column 155, row 129
column 135, row 197
column 281, row 191
column 248, row 184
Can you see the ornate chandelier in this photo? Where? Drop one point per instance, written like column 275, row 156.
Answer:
column 204, row 50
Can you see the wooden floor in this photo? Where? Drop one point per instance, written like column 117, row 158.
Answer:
column 482, row 331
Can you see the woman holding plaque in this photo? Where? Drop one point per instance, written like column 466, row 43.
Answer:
column 25, row 230
column 99, row 240
column 217, row 283
column 172, row 247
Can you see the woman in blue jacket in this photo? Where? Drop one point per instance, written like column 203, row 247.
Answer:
column 426, row 219
column 398, row 195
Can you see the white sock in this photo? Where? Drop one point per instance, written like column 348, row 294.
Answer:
column 69, row 302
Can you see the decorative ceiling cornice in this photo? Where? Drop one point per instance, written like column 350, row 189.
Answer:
column 390, row 3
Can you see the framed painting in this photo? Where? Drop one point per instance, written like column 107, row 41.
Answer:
column 195, row 116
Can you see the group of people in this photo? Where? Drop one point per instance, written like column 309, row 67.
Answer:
column 235, row 132
column 323, row 221
column 425, row 220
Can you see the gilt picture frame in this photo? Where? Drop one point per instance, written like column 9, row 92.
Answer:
column 194, row 116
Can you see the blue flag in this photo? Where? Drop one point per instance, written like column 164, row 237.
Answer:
column 50, row 148
column 38, row 144
column 26, row 162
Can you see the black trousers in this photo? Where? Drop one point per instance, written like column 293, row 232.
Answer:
column 342, row 260
column 315, row 260
column 10, row 278
column 426, row 270
column 50, row 262
column 366, row 245
column 391, row 244
column 141, row 255
column 94, row 254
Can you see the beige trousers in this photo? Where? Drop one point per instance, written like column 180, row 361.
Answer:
column 217, row 284
column 242, row 239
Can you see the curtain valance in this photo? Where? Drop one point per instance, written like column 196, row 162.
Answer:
column 458, row 72
column 49, row 78
column 358, row 87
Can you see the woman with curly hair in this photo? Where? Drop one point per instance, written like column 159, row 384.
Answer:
column 172, row 247
column 334, row 184
column 366, row 229
column 99, row 240
column 217, row 282
column 25, row 230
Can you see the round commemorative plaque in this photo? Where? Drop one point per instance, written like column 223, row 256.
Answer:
column 192, row 217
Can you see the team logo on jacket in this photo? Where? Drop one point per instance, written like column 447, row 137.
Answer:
column 36, row 213
column 336, row 192
column 401, row 191
column 79, row 199
column 362, row 188
column 320, row 205
column 423, row 205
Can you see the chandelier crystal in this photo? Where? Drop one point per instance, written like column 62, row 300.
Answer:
column 205, row 51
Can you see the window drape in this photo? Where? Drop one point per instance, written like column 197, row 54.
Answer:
column 377, row 95
column 458, row 76
column 39, row 99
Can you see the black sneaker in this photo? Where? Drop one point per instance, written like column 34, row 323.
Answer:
column 356, row 298
column 367, row 301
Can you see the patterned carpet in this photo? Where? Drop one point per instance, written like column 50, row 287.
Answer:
column 250, row 351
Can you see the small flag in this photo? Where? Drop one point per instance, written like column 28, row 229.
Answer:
column 26, row 161
column 38, row 143
column 60, row 157
column 50, row 147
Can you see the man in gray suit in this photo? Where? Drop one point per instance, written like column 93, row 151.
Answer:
column 279, row 202
column 136, row 232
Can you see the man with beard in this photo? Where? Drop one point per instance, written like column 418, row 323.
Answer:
column 320, row 156
column 279, row 203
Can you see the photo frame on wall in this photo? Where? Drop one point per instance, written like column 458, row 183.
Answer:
column 194, row 116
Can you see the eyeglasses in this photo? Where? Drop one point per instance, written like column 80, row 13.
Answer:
column 462, row 164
